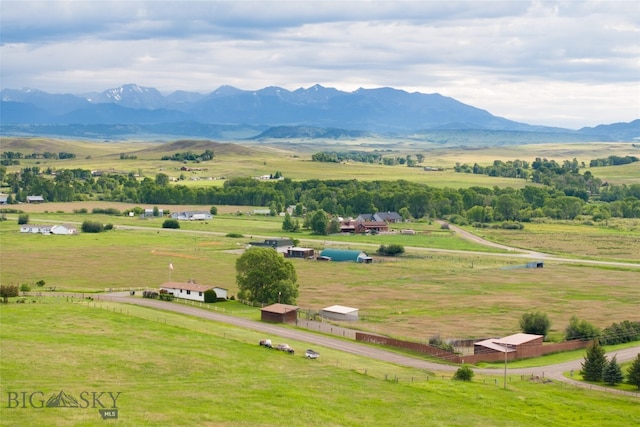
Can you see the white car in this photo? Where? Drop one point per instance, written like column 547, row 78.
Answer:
column 310, row 354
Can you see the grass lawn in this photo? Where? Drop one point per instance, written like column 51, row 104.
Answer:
column 176, row 370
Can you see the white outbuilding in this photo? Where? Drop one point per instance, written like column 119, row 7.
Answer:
column 339, row 312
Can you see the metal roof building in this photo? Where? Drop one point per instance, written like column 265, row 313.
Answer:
column 339, row 312
column 340, row 255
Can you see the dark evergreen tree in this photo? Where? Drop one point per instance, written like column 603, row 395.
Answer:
column 633, row 375
column 594, row 362
column 612, row 373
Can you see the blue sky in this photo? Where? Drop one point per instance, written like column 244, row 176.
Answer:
column 557, row 63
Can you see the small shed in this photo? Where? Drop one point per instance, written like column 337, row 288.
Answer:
column 279, row 313
column 339, row 312
column 340, row 255
column 296, row 252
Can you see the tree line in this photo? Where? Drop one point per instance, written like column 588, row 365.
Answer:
column 566, row 199
column 366, row 157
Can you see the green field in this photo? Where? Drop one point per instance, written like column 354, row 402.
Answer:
column 175, row 370
column 416, row 296
column 293, row 160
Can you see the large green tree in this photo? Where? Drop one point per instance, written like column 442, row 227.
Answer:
column 581, row 330
column 594, row 362
column 535, row 323
column 319, row 222
column 8, row 291
column 263, row 275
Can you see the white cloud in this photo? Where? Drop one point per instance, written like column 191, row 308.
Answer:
column 566, row 63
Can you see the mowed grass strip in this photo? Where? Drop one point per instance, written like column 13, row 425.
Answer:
column 177, row 370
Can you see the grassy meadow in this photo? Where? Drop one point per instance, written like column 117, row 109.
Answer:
column 293, row 159
column 423, row 293
column 176, row 370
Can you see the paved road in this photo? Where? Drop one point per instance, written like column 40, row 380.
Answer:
column 554, row 372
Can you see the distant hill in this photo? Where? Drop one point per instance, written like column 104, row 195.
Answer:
column 272, row 112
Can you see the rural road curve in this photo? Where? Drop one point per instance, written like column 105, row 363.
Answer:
column 554, row 372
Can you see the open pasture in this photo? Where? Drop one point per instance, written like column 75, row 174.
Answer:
column 415, row 296
column 241, row 159
column 176, row 370
column 617, row 239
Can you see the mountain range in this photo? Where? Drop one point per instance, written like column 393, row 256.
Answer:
column 272, row 112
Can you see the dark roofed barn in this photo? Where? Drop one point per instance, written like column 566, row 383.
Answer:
column 279, row 313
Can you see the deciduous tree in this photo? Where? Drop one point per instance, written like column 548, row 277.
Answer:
column 263, row 275
column 8, row 291
column 581, row 330
column 535, row 323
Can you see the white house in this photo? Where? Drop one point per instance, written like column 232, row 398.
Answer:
column 339, row 312
column 192, row 291
column 148, row 213
column 63, row 230
column 192, row 215
column 35, row 229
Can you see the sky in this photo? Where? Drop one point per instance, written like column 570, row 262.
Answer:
column 557, row 63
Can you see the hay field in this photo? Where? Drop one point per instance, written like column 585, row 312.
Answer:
column 241, row 159
column 416, row 296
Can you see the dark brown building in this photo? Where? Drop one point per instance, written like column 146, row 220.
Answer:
column 279, row 313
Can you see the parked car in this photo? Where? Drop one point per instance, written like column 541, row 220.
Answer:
column 311, row 354
column 266, row 343
column 285, row 347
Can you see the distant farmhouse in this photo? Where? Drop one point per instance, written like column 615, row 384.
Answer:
column 388, row 217
column 370, row 223
column 148, row 213
column 192, row 291
column 48, row 229
column 35, row 199
column 192, row 216
column 280, row 244
column 363, row 227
